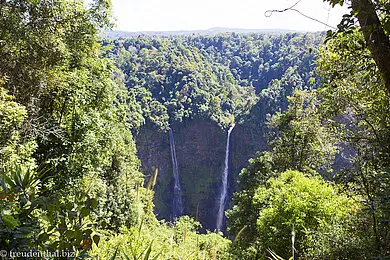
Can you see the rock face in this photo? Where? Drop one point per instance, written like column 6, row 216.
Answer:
column 200, row 149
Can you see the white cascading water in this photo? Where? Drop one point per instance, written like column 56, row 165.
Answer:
column 177, row 199
column 222, row 199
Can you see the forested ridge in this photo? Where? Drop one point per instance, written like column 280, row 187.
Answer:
column 201, row 85
column 219, row 77
column 87, row 127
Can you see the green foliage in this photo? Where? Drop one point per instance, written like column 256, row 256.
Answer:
column 323, row 220
column 302, row 139
column 310, row 206
column 31, row 219
column 19, row 197
column 373, row 23
column 62, row 109
column 350, row 113
column 67, row 224
column 13, row 148
column 182, row 82
column 243, row 216
column 225, row 78
column 209, row 76
column 66, row 108
column 164, row 241
column 76, row 112
column 356, row 99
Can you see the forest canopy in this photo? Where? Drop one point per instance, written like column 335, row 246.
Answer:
column 217, row 77
column 72, row 104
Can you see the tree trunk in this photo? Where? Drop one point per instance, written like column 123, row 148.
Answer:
column 377, row 41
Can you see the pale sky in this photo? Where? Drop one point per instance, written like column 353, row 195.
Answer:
column 172, row 15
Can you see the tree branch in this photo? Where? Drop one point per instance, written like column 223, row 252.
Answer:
column 268, row 13
column 377, row 41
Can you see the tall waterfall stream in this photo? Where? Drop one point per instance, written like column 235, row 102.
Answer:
column 177, row 196
column 222, row 198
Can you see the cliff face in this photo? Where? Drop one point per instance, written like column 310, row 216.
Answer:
column 200, row 148
column 226, row 78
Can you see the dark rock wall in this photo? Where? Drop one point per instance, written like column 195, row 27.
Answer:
column 200, row 147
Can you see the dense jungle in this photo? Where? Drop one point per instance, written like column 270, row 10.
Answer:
column 221, row 144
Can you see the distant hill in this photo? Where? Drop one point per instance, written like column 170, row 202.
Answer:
column 216, row 30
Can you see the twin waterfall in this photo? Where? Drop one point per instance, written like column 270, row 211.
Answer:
column 177, row 199
column 177, row 196
column 222, row 199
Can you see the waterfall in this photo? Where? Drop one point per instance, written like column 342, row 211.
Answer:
column 222, row 199
column 177, row 200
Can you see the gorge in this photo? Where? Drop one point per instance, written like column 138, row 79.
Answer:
column 217, row 144
column 196, row 86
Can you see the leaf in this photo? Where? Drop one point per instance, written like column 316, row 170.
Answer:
column 9, row 181
column 78, row 235
column 113, row 257
column 69, row 234
column 156, row 257
column 274, row 256
column 91, row 203
column 26, row 179
column 94, row 203
column 84, row 212
column 147, row 255
column 355, row 12
column 42, row 238
column 140, row 227
column 126, row 256
column 25, row 232
column 17, row 177
column 96, row 239
column 10, row 221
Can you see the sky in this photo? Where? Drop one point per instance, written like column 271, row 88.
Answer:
column 173, row 15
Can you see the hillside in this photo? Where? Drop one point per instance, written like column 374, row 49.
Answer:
column 219, row 144
column 198, row 86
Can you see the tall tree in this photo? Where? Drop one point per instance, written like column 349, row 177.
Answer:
column 62, row 108
column 373, row 17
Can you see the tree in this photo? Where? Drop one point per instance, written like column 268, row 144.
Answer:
column 307, row 208
column 62, row 109
column 13, row 148
column 323, row 221
column 242, row 217
column 353, row 97
column 301, row 139
column 374, row 33
column 214, row 77
column 373, row 17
